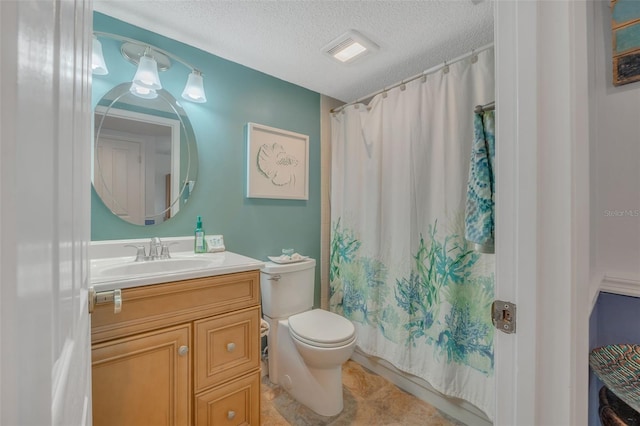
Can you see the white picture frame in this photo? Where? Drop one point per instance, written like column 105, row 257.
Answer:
column 277, row 163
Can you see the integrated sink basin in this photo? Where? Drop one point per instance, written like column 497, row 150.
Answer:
column 156, row 267
column 111, row 270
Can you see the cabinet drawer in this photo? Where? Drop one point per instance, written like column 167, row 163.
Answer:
column 226, row 346
column 151, row 307
column 235, row 403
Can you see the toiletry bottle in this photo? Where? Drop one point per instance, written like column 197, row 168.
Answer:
column 199, row 245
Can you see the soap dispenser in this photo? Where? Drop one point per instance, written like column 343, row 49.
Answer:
column 199, row 244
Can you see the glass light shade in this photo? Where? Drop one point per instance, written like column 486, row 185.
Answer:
column 98, row 65
column 142, row 92
column 147, row 74
column 194, row 90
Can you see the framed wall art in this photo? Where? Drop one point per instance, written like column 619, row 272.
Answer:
column 277, row 163
column 625, row 36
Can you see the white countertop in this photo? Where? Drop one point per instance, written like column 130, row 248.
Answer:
column 108, row 254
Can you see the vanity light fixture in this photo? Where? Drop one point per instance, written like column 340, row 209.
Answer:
column 147, row 73
column 98, row 65
column 149, row 60
column 194, row 90
column 349, row 47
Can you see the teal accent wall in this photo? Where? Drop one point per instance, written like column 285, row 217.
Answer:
column 236, row 95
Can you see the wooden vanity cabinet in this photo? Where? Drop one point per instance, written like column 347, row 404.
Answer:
column 179, row 353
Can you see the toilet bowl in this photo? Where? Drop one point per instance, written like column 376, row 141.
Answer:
column 307, row 347
column 323, row 339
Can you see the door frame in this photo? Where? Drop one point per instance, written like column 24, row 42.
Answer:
column 542, row 215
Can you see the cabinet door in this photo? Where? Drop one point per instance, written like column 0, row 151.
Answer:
column 143, row 379
column 233, row 404
column 226, row 346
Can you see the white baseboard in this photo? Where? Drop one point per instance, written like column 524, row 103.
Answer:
column 458, row 409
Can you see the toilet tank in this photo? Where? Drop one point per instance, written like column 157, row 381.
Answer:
column 287, row 289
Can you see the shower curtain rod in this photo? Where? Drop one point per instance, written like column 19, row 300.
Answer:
column 423, row 74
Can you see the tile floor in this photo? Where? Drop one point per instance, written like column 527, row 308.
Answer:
column 369, row 399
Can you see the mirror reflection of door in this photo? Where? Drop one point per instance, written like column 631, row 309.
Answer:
column 121, row 182
column 138, row 158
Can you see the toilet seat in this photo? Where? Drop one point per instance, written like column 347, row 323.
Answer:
column 321, row 328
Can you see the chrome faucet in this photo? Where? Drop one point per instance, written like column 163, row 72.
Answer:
column 157, row 250
column 155, row 246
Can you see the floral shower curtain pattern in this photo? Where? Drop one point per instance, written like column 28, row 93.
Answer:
column 400, row 266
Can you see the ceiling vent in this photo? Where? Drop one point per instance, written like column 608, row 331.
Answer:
column 350, row 47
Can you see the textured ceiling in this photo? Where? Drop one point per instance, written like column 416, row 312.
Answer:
column 285, row 38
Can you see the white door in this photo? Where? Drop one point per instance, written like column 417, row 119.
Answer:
column 542, row 199
column 120, row 179
column 45, row 133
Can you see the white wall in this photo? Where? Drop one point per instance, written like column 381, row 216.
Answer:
column 615, row 148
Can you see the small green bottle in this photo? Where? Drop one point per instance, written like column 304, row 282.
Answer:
column 199, row 245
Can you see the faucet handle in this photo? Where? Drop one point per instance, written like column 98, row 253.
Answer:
column 140, row 254
column 164, row 253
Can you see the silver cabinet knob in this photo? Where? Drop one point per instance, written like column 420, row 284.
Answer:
column 231, row 347
column 183, row 350
column 231, row 414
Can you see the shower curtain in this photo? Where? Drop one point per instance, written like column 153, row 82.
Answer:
column 400, row 267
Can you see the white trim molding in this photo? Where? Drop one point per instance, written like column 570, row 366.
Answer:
column 620, row 285
column 516, row 208
column 542, row 239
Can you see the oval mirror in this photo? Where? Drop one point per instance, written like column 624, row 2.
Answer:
column 144, row 155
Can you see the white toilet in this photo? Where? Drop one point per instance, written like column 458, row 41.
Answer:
column 307, row 347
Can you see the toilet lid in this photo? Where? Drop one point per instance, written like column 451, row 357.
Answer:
column 321, row 328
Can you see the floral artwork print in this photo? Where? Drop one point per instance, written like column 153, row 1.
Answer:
column 277, row 165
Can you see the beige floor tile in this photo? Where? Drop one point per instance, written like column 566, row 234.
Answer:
column 369, row 400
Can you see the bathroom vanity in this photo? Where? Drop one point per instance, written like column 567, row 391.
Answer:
column 180, row 351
